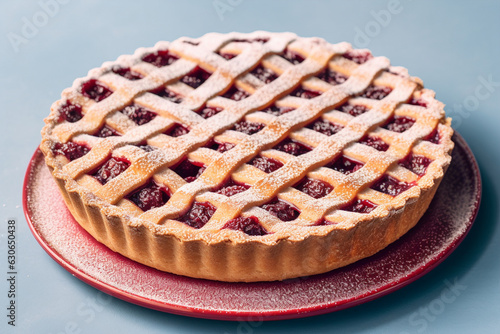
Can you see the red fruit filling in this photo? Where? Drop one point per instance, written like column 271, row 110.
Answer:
column 70, row 150
column 189, row 170
column 160, row 58
column 138, row 114
column 127, row 73
column 376, row 92
column 177, row 130
column 282, row 210
column 292, row 147
column 416, row 163
column 358, row 56
column 199, row 214
column 304, row 93
column 345, row 165
column 277, row 111
column 168, row 94
column 111, row 169
column 391, row 186
column 324, row 222
column 248, row 128
column 227, row 56
column 375, row 142
column 264, row 74
column 314, row 188
column 399, row 123
column 267, row 165
column 196, row 77
column 70, row 112
column 231, row 188
column 292, row 57
column 207, row 112
column 149, row 196
column 234, row 93
column 325, row 127
column 354, row 109
column 360, row 206
column 221, row 147
column 332, row 77
column 248, row 225
column 417, row 102
column 95, row 90
column 106, row 131
column 433, row 137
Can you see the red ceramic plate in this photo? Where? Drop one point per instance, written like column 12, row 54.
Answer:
column 443, row 227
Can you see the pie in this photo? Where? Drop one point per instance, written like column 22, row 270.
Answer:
column 247, row 157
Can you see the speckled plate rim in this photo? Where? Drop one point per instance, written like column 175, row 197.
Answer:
column 300, row 311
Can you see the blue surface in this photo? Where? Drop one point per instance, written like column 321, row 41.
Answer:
column 453, row 48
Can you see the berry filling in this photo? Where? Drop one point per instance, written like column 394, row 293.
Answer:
column 324, row 222
column 70, row 112
column 160, row 58
column 189, row 170
column 375, row 142
column 138, row 114
column 292, row 57
column 325, row 127
column 149, row 196
column 227, row 56
column 111, row 169
column 292, row 147
column 332, row 77
column 357, row 56
column 417, row 102
column 70, row 150
column 177, row 130
column 416, row 163
column 199, row 214
column 354, row 109
column 248, row 128
column 277, row 111
column 221, row 147
column 95, row 90
column 376, row 92
column 314, row 188
column 196, row 77
column 127, row 73
column 359, row 206
column 345, row 165
column 234, row 93
column 248, row 225
column 231, row 188
column 305, row 93
column 168, row 94
column 433, row 137
column 282, row 210
column 399, row 124
column 391, row 186
column 207, row 112
column 267, row 165
column 264, row 74
column 106, row 131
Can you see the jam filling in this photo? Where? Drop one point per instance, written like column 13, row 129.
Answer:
column 127, row 73
column 267, row 165
column 234, row 93
column 248, row 128
column 168, row 94
column 95, row 90
column 360, row 206
column 323, row 222
column 376, row 92
column 416, row 163
column 248, row 225
column 70, row 112
column 207, row 112
column 189, row 170
column 160, row 58
column 391, row 186
column 417, row 102
column 325, row 127
column 177, row 130
column 332, row 77
column 231, row 188
column 221, row 147
column 345, row 165
column 314, row 188
column 375, row 142
column 111, row 169
column 70, row 150
column 196, row 77
column 138, row 114
column 354, row 109
column 304, row 93
column 399, row 123
column 105, row 132
column 433, row 137
column 292, row 57
column 264, row 74
column 227, row 56
column 149, row 196
column 198, row 215
column 292, row 147
column 357, row 56
column 282, row 210
column 277, row 111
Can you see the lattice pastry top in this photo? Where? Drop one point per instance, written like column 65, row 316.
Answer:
column 248, row 138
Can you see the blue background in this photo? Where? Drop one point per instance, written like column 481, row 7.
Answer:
column 451, row 46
